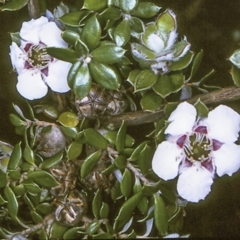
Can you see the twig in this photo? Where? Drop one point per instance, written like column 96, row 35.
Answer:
column 141, row 117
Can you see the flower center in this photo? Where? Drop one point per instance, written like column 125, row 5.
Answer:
column 37, row 56
column 197, row 147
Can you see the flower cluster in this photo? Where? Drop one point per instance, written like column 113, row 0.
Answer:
column 197, row 148
column 36, row 69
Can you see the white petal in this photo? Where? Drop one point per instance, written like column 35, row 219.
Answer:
column 194, row 183
column 30, row 85
column 17, row 57
column 57, row 76
column 182, row 119
column 30, row 30
column 50, row 34
column 227, row 159
column 166, row 160
column 223, row 124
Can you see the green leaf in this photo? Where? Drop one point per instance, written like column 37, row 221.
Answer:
column 63, row 54
column 104, row 235
column 146, row 10
column 235, row 58
column 93, row 227
column 91, row 32
column 167, row 84
column 3, row 179
column 73, row 18
column 82, row 82
column 136, row 24
column 52, row 161
column 73, row 233
column 70, row 36
column 68, row 119
column 44, row 208
column 235, row 72
column 135, row 155
column 32, row 188
column 196, row 64
column 145, row 157
column 122, row 33
column 104, row 211
column 82, row 50
column 15, row 157
column 120, row 162
column 96, row 203
column 166, row 22
column 43, row 178
column 72, row 73
column 127, row 5
column 74, row 150
column 12, row 203
column 89, row 163
column 108, row 54
column 13, row 5
column 150, row 101
column 160, row 215
column 145, row 80
column 36, row 217
column 111, row 13
column 202, row 110
column 132, row 76
column 121, row 136
column 95, row 139
column 94, row 5
column 15, row 120
column 183, row 62
column 16, row 38
column 105, row 75
column 126, row 183
column 69, row 132
column 28, row 154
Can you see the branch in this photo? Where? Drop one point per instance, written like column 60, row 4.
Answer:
column 141, row 117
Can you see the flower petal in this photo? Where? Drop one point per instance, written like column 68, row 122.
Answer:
column 166, row 160
column 57, row 76
column 50, row 34
column 227, row 159
column 194, row 183
column 30, row 30
column 182, row 119
column 30, row 85
column 16, row 55
column 223, row 124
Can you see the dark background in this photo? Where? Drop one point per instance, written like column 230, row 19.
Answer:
column 211, row 25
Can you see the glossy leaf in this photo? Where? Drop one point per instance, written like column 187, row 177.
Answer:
column 196, row 64
column 63, row 54
column 89, row 163
column 137, row 151
column 94, row 5
column 28, row 154
column 145, row 157
column 15, row 157
column 74, row 150
column 44, row 208
column 146, row 10
column 70, row 36
column 183, row 62
column 235, row 58
column 136, row 24
column 82, row 50
column 73, row 18
column 127, row 5
column 145, row 80
column 43, row 178
column 235, row 72
column 72, row 73
column 121, row 136
column 112, row 13
column 73, row 233
column 69, row 132
column 52, row 161
column 166, row 21
column 91, row 32
column 96, row 203
column 126, row 183
column 108, row 54
column 150, row 101
column 111, row 136
column 13, row 5
column 68, row 119
column 120, row 162
column 3, row 179
column 12, row 203
column 82, row 82
column 15, row 120
column 104, row 211
column 122, row 33
column 36, row 217
column 167, row 84
column 132, row 76
column 95, row 139
column 105, row 75
column 15, row 37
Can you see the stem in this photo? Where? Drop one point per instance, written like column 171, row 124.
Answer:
column 141, row 117
column 34, row 8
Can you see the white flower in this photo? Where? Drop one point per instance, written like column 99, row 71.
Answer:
column 36, row 69
column 197, row 148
